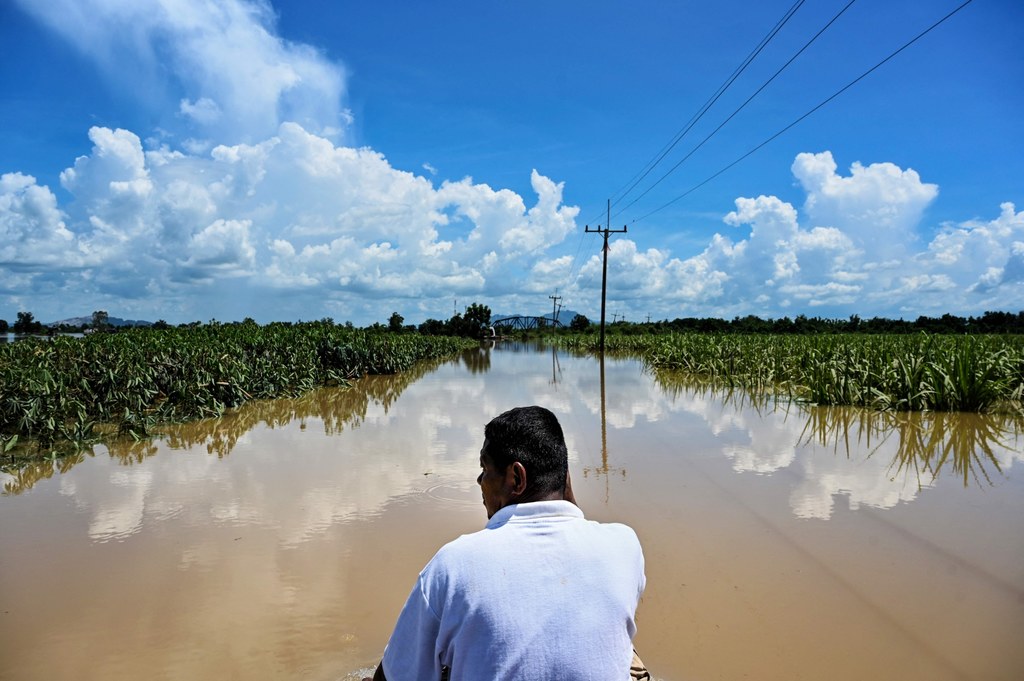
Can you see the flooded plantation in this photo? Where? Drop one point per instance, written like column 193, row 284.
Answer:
column 783, row 541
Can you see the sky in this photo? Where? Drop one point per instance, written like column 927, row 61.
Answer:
column 190, row 160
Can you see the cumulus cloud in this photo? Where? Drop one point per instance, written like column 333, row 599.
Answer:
column 878, row 206
column 289, row 214
column 240, row 80
column 855, row 248
column 32, row 229
column 248, row 184
column 297, row 214
column 985, row 258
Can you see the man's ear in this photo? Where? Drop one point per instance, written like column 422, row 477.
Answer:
column 516, row 478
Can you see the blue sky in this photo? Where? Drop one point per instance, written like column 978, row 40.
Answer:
column 190, row 160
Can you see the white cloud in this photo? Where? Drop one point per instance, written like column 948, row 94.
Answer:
column 204, row 111
column 32, row 229
column 983, row 257
column 223, row 245
column 299, row 225
column 240, row 80
column 852, row 251
column 292, row 212
column 878, row 206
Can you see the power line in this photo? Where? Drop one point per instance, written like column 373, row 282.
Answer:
column 714, row 98
column 646, row 170
column 801, row 118
column 740, row 108
column 650, row 165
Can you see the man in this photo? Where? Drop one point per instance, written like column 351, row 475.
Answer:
column 540, row 593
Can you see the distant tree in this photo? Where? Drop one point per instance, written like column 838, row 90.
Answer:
column 477, row 316
column 3, row 326
column 160, row 325
column 26, row 323
column 100, row 319
column 998, row 322
column 457, row 326
column 432, row 327
column 395, row 322
column 579, row 323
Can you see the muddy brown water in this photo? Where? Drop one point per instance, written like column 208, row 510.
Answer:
column 782, row 541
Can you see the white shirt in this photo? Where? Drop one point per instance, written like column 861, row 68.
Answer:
column 540, row 593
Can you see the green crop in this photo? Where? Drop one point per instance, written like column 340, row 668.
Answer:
column 895, row 372
column 67, row 390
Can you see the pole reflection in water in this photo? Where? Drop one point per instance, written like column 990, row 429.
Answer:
column 604, row 469
column 782, row 541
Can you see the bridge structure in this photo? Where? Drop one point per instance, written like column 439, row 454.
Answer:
column 522, row 323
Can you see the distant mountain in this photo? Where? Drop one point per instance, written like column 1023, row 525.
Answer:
column 113, row 321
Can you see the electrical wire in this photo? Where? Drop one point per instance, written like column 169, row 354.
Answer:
column 653, row 163
column 711, row 101
column 658, row 157
column 813, row 110
column 741, row 107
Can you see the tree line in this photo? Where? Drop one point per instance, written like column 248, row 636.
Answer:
column 477, row 317
column 989, row 322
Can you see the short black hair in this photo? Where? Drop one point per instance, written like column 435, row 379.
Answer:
column 533, row 437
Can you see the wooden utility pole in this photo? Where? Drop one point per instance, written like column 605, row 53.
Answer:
column 604, row 275
column 554, row 310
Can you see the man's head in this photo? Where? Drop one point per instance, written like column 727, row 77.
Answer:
column 524, row 458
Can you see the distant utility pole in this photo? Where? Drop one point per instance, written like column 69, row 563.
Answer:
column 554, row 310
column 604, row 275
column 615, row 317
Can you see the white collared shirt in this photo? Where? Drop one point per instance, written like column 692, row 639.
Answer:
column 540, row 593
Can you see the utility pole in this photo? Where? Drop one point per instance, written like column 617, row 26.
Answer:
column 554, row 311
column 604, row 275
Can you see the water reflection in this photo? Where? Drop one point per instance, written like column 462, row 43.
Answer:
column 879, row 459
column 306, row 520
column 23, row 476
column 973, row 445
column 478, row 360
column 604, row 469
column 336, row 408
column 876, row 458
column 556, row 366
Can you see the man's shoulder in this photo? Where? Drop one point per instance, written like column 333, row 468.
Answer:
column 466, row 544
column 619, row 534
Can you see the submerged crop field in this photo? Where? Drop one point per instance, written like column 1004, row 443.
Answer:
column 67, row 390
column 890, row 372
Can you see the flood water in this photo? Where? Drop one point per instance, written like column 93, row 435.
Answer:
column 782, row 541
